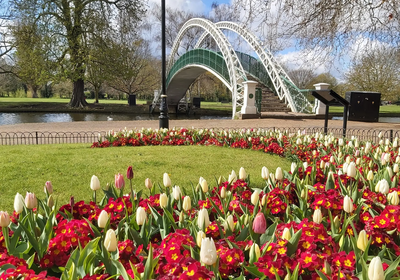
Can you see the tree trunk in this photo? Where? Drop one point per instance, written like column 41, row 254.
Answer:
column 33, row 91
column 78, row 95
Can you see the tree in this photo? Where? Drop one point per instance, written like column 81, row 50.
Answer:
column 377, row 70
column 133, row 70
column 331, row 27
column 31, row 62
column 301, row 77
column 68, row 21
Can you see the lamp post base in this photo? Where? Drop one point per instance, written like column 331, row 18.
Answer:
column 164, row 119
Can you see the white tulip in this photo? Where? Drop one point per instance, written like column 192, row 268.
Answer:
column 375, row 269
column 242, row 174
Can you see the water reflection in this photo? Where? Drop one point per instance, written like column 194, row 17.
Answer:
column 15, row 118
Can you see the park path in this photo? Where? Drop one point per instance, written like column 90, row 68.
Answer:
column 272, row 121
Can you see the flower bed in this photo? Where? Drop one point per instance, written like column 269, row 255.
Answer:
column 334, row 215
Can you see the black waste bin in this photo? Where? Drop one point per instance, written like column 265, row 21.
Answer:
column 132, row 100
column 196, row 102
column 364, row 105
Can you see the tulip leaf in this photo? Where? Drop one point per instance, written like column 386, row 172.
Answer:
column 156, row 215
column 31, row 238
column 121, row 270
column 254, row 270
column 148, row 268
column 5, row 267
column 46, row 235
column 293, row 243
column 321, row 275
column 244, row 234
column 66, row 275
column 392, row 269
column 136, row 274
column 241, row 277
column 95, row 229
column 295, row 274
column 216, row 208
column 136, row 237
column 269, row 234
column 90, row 248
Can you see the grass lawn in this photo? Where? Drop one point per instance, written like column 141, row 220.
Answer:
column 386, row 109
column 70, row 167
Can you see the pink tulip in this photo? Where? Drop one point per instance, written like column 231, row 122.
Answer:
column 259, row 223
column 30, row 200
column 119, row 181
column 49, row 187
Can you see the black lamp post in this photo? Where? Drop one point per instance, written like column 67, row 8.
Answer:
column 164, row 119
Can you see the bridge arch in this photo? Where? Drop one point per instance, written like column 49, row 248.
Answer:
column 284, row 87
column 236, row 73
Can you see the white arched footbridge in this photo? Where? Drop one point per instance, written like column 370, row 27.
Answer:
column 231, row 67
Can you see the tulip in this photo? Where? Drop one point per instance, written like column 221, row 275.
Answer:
column 18, row 203
column 4, row 219
column 305, row 165
column 317, row 216
column 141, row 216
column 255, row 252
column 242, row 174
column 348, row 204
column 176, row 192
column 390, row 171
column 387, row 157
column 259, row 223
column 348, row 159
column 50, row 201
column 181, row 217
column 129, row 173
column 351, row 170
column 199, row 237
column 264, row 173
column 230, row 223
column 163, row 200
column 395, row 143
column 30, row 200
column 336, row 222
column 255, row 196
column 208, row 252
column 393, row 198
column 232, row 177
column 396, row 168
column 166, row 180
column 119, row 181
column 383, row 186
column 286, row 234
column 340, row 141
column 345, row 167
column 95, row 183
column 223, row 192
column 375, row 269
column 48, row 187
column 102, row 219
column 187, row 204
column 362, row 240
column 293, row 167
column 148, row 184
column 203, row 220
column 110, row 242
column 263, row 200
column 279, row 174
column 204, row 186
column 370, row 175
column 322, row 165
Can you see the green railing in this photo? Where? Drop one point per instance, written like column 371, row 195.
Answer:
column 255, row 68
column 203, row 57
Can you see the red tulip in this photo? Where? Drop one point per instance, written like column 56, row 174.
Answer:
column 259, row 223
column 129, row 173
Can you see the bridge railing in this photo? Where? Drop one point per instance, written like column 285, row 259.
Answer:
column 40, row 138
column 204, row 57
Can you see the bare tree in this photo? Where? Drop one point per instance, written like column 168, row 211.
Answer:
column 333, row 26
column 301, row 77
column 378, row 70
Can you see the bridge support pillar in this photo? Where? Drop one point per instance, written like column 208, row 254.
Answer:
column 249, row 109
column 320, row 107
